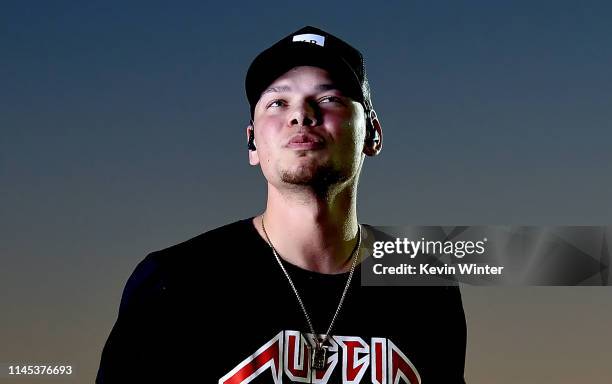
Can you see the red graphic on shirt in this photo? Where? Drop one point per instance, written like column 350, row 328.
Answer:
column 266, row 357
column 288, row 355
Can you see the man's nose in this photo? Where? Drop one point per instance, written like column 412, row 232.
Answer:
column 304, row 114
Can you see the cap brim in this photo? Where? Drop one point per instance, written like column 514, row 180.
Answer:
column 273, row 63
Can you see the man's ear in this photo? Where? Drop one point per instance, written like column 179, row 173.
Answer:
column 253, row 156
column 374, row 135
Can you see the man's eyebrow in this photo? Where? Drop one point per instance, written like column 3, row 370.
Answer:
column 284, row 88
column 327, row 87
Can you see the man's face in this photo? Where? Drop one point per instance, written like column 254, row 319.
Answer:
column 307, row 131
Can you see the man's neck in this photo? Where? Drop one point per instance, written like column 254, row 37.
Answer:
column 313, row 232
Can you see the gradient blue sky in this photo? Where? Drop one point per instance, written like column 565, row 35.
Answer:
column 122, row 132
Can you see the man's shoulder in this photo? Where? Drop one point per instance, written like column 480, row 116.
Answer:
column 228, row 232
column 205, row 247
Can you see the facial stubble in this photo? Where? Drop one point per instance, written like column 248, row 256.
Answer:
column 320, row 177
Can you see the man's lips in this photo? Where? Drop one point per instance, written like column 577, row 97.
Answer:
column 305, row 141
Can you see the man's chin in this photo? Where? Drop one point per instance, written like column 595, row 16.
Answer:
column 319, row 176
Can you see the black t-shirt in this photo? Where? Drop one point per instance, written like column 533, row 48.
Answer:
column 218, row 309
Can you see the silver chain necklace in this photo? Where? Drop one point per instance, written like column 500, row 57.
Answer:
column 318, row 354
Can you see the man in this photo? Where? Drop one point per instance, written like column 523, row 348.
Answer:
column 277, row 298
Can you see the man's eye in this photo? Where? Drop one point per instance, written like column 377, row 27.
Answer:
column 276, row 103
column 330, row 99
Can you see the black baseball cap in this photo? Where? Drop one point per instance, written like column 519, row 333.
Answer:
column 314, row 47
